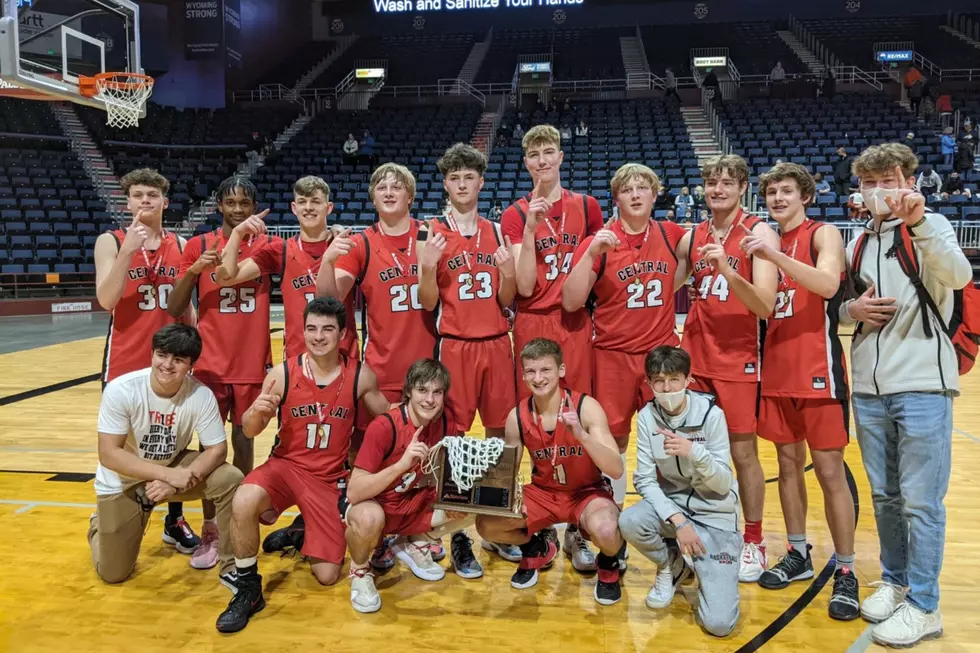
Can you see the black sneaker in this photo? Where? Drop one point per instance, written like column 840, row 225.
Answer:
column 844, row 602
column 230, row 580
column 286, row 539
column 791, row 567
column 464, row 562
column 539, row 553
column 177, row 532
column 607, row 589
column 248, row 600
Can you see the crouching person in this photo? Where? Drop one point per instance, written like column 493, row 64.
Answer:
column 688, row 516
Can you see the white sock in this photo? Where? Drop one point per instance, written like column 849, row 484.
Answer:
column 244, row 563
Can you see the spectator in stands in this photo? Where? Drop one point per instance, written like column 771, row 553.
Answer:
column 842, row 172
column 518, row 131
column 905, row 377
column 689, row 215
column 350, row 148
column 858, row 211
column 948, row 144
column 671, row 216
column 953, row 186
column 496, row 211
column 778, row 74
column 256, row 146
column 916, row 91
column 367, row 148
column 821, row 184
column 670, row 85
column 566, row 133
column 683, row 200
column 711, row 81
column 929, row 181
column 698, row 196
column 582, row 129
column 829, row 84
column 965, row 153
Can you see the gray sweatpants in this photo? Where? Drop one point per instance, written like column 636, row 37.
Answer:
column 717, row 572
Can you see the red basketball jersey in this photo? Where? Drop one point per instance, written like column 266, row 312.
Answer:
column 233, row 321
column 634, row 291
column 142, row 309
column 721, row 334
column 804, row 357
column 385, row 442
column 558, row 459
column 298, row 263
column 468, row 283
column 315, row 424
column 571, row 219
column 397, row 330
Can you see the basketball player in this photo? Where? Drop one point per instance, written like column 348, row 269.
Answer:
column 382, row 262
column 545, row 228
column 315, row 396
column 688, row 516
column 389, row 493
column 135, row 271
column 804, row 380
column 234, row 325
column 571, row 448
column 733, row 292
column 629, row 269
column 466, row 276
column 146, row 422
column 297, row 260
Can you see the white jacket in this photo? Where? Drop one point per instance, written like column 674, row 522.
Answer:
column 899, row 357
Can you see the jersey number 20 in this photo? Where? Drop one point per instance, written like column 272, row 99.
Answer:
column 400, row 298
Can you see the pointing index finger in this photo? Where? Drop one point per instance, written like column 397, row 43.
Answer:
column 745, row 229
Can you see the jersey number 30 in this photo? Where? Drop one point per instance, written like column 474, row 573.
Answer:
column 149, row 301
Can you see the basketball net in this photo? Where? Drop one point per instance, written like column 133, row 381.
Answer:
column 124, row 95
column 468, row 457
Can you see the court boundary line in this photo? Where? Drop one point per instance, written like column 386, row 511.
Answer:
column 48, row 389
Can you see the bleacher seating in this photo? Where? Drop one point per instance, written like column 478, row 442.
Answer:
column 753, row 47
column 852, row 40
column 578, row 53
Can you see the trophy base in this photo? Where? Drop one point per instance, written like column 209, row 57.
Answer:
column 497, row 493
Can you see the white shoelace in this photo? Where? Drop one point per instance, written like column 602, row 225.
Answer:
column 664, row 584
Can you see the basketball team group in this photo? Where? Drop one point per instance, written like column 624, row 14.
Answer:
column 559, row 327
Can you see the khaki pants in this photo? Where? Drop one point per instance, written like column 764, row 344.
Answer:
column 116, row 530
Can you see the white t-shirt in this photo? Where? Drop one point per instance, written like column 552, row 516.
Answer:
column 158, row 428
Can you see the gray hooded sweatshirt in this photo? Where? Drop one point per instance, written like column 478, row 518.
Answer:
column 899, row 357
column 702, row 485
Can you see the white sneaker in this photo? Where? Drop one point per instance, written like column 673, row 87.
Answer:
column 753, row 563
column 908, row 626
column 363, row 594
column 509, row 552
column 669, row 577
column 418, row 557
column 883, row 603
column 577, row 550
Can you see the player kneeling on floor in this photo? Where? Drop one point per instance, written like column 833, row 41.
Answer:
column 571, row 448
column 315, row 396
column 389, row 492
column 688, row 515
column 146, row 422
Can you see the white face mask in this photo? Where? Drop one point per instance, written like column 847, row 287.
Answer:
column 874, row 199
column 670, row 401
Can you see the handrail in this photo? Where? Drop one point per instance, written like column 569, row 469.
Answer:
column 643, row 48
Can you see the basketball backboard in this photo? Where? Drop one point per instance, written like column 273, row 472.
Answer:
column 45, row 45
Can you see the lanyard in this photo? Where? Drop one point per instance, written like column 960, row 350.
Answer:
column 321, row 415
column 309, row 270
column 637, row 252
column 391, row 250
column 539, row 423
column 560, row 234
column 153, row 272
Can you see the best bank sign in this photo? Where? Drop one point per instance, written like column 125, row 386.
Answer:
column 397, row 6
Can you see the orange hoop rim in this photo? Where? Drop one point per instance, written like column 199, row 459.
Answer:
column 89, row 86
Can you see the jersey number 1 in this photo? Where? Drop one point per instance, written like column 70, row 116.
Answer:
column 312, row 430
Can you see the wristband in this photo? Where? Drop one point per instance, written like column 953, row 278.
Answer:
column 686, row 522
column 918, row 224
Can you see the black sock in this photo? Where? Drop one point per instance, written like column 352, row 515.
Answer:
column 607, row 562
column 176, row 510
column 245, row 572
column 571, row 528
column 534, row 547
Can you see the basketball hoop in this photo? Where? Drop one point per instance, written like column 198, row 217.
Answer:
column 124, row 94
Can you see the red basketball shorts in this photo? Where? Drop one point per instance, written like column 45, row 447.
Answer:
column 412, row 515
column 544, row 507
column 572, row 331
column 233, row 398
column 739, row 400
column 482, row 375
column 287, row 485
column 821, row 423
column 621, row 389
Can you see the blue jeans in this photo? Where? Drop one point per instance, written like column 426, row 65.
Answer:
column 905, row 442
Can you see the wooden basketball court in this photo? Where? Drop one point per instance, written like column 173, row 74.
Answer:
column 51, row 599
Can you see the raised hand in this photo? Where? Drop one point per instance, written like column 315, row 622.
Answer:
column 872, row 310
column 538, row 208
column 753, row 245
column 254, row 225
column 675, row 445
column 910, row 205
column 208, row 259
column 340, row 245
column 505, row 262
column 604, row 241
column 570, row 419
column 714, row 253
column 136, row 235
column 415, row 452
column 267, row 403
column 431, row 254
